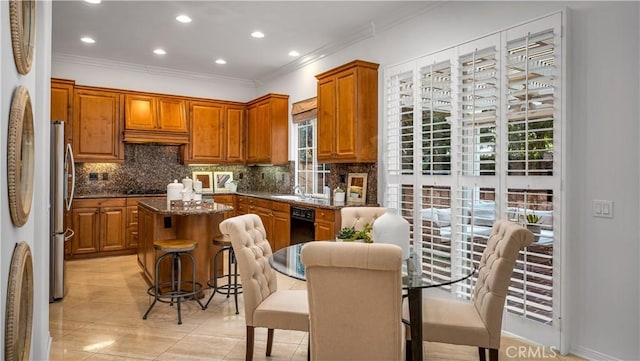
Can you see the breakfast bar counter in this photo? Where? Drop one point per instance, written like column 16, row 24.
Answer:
column 158, row 221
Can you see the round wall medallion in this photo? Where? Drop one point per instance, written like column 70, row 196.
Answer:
column 23, row 32
column 20, row 157
column 19, row 313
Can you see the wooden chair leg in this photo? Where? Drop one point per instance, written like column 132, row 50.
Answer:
column 493, row 354
column 269, row 341
column 482, row 354
column 249, row 349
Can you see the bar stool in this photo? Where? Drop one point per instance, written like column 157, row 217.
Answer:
column 230, row 287
column 174, row 248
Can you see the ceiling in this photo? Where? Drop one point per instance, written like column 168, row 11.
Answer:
column 128, row 31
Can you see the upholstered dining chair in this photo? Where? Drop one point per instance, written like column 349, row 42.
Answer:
column 479, row 323
column 358, row 217
column 355, row 301
column 264, row 304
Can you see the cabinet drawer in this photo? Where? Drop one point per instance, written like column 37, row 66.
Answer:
column 280, row 207
column 224, row 199
column 325, row 214
column 102, row 202
column 242, row 200
column 257, row 202
column 242, row 208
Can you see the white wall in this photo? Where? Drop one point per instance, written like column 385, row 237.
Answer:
column 602, row 298
column 37, row 82
column 106, row 74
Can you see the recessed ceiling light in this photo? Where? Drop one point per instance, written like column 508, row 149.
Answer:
column 294, row 53
column 159, row 51
column 87, row 40
column 93, row 1
column 221, row 61
column 183, row 18
column 257, row 34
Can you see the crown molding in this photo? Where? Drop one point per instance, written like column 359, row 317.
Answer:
column 118, row 65
column 358, row 34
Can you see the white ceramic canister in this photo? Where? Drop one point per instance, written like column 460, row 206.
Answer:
column 174, row 192
column 393, row 229
column 188, row 184
column 197, row 186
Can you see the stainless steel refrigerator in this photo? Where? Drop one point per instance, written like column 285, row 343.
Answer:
column 62, row 188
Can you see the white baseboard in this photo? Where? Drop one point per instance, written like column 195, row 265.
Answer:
column 590, row 354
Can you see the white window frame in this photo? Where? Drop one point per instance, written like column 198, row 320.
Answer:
column 315, row 172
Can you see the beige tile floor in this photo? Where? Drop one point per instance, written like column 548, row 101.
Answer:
column 100, row 318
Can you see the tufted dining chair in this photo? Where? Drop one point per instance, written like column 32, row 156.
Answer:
column 264, row 305
column 358, row 217
column 479, row 323
column 355, row 302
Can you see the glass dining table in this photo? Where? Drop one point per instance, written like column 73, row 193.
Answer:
column 287, row 261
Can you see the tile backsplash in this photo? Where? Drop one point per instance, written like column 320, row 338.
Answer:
column 150, row 167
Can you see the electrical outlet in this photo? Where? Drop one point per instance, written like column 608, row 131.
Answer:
column 105, row 176
column 93, row 176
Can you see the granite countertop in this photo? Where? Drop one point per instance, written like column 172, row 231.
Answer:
column 159, row 206
column 288, row 198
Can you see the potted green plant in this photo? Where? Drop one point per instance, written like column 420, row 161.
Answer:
column 531, row 221
column 349, row 234
column 232, row 185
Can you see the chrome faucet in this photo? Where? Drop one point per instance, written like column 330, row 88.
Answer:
column 299, row 191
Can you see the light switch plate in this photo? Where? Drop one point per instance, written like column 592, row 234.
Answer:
column 602, row 208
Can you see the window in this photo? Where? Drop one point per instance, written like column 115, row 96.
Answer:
column 472, row 134
column 309, row 174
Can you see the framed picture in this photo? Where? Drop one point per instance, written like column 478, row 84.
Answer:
column 220, row 180
column 357, row 188
column 207, row 181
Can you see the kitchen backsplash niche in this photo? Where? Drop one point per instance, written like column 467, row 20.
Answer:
column 150, row 167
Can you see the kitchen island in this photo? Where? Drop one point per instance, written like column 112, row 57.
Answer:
column 158, row 221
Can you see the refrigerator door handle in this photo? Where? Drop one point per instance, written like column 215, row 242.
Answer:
column 68, row 234
column 69, row 166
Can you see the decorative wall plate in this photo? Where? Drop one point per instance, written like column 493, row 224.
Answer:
column 23, row 32
column 20, row 157
column 19, row 313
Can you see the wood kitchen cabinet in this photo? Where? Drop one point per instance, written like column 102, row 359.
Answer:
column 226, row 199
column 97, row 125
column 327, row 224
column 348, row 113
column 274, row 216
column 62, row 105
column 217, row 133
column 281, row 225
column 155, row 119
column 99, row 226
column 131, row 241
column 268, row 130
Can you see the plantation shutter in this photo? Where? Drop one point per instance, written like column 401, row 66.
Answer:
column 480, row 123
column 399, row 139
column 478, row 111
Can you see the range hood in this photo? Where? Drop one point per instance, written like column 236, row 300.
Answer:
column 160, row 137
